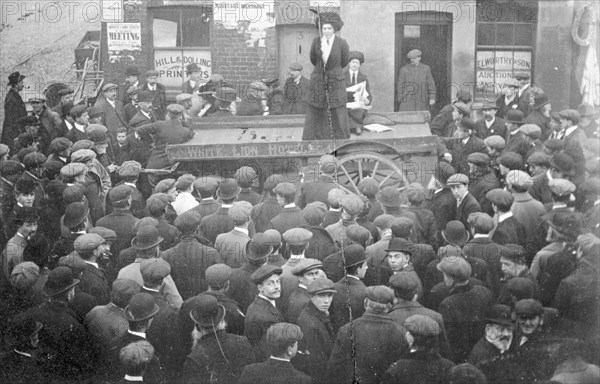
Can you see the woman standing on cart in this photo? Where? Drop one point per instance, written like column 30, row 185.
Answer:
column 329, row 54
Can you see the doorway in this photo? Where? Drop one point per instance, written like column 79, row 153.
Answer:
column 294, row 47
column 431, row 33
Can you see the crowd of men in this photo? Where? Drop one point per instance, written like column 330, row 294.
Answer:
column 113, row 273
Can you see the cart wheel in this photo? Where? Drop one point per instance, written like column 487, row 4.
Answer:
column 355, row 167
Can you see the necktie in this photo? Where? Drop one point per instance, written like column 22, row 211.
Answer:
column 327, row 41
column 353, row 78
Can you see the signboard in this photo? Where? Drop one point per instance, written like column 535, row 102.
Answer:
column 496, row 68
column 249, row 17
column 124, row 36
column 171, row 64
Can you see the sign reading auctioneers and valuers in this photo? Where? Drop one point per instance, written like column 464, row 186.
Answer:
column 171, row 65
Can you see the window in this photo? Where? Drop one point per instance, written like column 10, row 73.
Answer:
column 181, row 27
column 505, row 41
column 181, row 36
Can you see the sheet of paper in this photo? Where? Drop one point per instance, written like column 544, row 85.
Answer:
column 377, row 128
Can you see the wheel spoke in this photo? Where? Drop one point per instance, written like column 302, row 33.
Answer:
column 349, row 178
column 374, row 172
column 360, row 170
column 387, row 178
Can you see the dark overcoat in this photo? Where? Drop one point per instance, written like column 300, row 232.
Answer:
column 241, row 288
column 122, row 222
column 464, row 312
column 350, row 297
column 14, row 109
column 273, row 372
column 364, row 349
column 295, row 96
column 423, row 367
column 498, row 127
column 316, row 344
column 263, row 212
column 288, row 218
column 416, row 87
column 189, row 260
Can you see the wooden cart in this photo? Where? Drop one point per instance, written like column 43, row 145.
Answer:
column 272, row 144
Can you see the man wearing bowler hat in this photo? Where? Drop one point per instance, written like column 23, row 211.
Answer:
column 515, row 139
column 241, row 287
column 140, row 313
column 319, row 335
column 145, row 114
column 416, row 87
column 366, row 347
column 263, row 312
column 295, row 91
column 348, row 301
column 132, row 72
column 14, row 109
column 192, row 84
column 282, row 344
column 497, row 340
column 540, row 114
column 217, row 356
column 68, row 345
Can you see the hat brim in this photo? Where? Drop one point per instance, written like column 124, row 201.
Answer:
column 129, row 316
column 51, row 293
column 554, row 165
column 459, row 242
column 328, row 290
column 218, row 318
column 541, row 105
column 499, row 321
column 71, row 224
column 229, row 196
column 138, row 247
column 515, row 121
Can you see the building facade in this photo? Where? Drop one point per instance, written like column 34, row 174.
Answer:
column 474, row 45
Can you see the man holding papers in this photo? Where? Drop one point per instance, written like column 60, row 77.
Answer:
column 358, row 92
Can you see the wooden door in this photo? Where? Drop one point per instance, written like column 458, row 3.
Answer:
column 431, row 33
column 294, row 47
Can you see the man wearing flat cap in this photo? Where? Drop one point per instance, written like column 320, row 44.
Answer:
column 231, row 245
column 295, row 91
column 220, row 221
column 526, row 210
column 120, row 220
column 465, row 307
column 482, row 179
column 189, row 258
column 416, row 87
column 462, row 143
column 218, row 280
column 163, row 133
column 317, row 188
column 14, row 109
column 282, row 345
column 263, row 311
column 465, row 201
column 322, row 244
column 319, row 335
column 307, row 270
column 490, row 125
column 50, row 123
column 79, row 114
column 351, row 206
column 112, row 110
column 423, row 364
column 162, row 333
column 526, row 92
column 508, row 229
column 574, row 139
column 157, row 90
column 246, row 178
column 205, row 188
column 93, row 249
column 365, row 348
